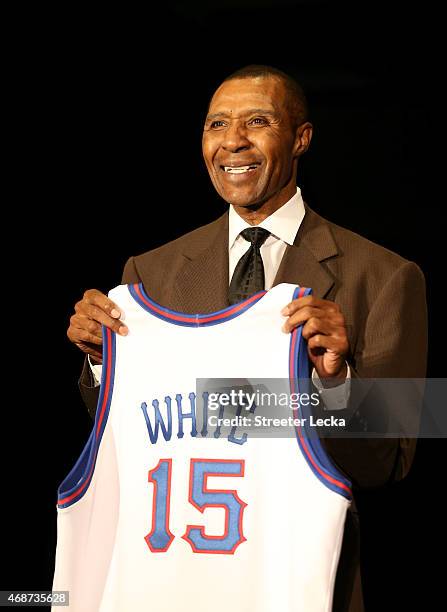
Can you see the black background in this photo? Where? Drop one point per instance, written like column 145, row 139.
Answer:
column 107, row 139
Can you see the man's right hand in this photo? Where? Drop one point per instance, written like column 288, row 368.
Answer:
column 94, row 310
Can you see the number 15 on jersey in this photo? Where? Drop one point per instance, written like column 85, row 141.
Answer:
column 201, row 497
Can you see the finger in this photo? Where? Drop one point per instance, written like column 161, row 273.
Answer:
column 83, row 322
column 323, row 326
column 335, row 345
column 312, row 301
column 90, row 350
column 96, row 298
column 94, row 313
column 77, row 336
column 318, row 326
column 301, row 316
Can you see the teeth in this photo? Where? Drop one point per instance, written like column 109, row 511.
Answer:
column 239, row 169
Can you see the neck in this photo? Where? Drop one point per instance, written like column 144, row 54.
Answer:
column 256, row 213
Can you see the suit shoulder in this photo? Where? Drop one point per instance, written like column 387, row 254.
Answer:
column 353, row 257
column 375, row 267
column 366, row 252
column 189, row 244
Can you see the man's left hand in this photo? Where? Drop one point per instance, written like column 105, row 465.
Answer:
column 324, row 328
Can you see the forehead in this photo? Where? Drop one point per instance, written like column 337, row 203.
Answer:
column 238, row 94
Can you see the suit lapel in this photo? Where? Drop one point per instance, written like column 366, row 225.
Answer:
column 202, row 283
column 300, row 267
column 302, row 262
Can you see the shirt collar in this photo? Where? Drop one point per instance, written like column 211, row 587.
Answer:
column 283, row 223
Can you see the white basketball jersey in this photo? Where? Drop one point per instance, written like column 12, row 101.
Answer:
column 163, row 512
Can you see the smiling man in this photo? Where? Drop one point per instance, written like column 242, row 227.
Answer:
column 365, row 318
column 254, row 133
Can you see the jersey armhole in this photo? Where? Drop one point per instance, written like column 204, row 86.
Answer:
column 75, row 485
column 307, row 437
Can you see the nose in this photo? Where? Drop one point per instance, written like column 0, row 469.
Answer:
column 235, row 138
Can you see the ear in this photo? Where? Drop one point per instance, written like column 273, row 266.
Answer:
column 303, row 136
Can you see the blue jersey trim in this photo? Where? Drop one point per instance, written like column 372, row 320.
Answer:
column 319, row 461
column 191, row 320
column 76, row 484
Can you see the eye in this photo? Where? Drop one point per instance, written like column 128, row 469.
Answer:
column 258, row 121
column 216, row 124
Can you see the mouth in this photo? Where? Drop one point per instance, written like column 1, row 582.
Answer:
column 240, row 169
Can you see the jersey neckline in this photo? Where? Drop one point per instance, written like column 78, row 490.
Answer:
column 139, row 294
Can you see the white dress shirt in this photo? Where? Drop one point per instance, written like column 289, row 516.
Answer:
column 283, row 226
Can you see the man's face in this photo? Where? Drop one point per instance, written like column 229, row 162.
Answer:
column 248, row 143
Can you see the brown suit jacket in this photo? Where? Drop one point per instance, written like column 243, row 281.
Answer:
column 382, row 297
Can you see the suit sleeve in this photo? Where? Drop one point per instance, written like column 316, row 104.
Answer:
column 394, row 345
column 90, row 392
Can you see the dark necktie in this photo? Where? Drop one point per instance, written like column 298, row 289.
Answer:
column 248, row 277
